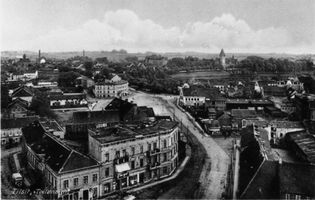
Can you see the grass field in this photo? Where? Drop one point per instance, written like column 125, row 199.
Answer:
column 202, row 75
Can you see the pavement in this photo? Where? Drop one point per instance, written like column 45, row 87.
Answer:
column 215, row 169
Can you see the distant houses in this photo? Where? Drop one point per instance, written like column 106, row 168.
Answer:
column 114, row 87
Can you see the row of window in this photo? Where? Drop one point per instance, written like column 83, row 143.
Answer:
column 11, row 133
column 153, row 146
column 192, row 99
column 85, row 181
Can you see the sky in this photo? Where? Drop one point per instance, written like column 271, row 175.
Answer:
column 238, row 26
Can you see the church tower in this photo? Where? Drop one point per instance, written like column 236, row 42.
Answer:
column 222, row 59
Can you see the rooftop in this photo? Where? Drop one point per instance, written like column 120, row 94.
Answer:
column 210, row 93
column 306, row 142
column 123, row 132
column 243, row 113
column 249, row 101
column 121, row 82
column 286, row 124
column 55, row 154
column 17, row 122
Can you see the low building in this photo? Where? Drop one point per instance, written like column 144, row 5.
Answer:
column 264, row 174
column 197, row 96
column 280, row 128
column 274, row 112
column 68, row 100
column 69, row 173
column 238, row 115
column 85, row 82
column 24, row 93
column 132, row 155
column 302, row 144
column 252, row 104
column 115, row 87
column 11, row 129
column 18, row 108
column 275, row 91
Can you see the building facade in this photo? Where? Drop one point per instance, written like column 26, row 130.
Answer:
column 116, row 87
column 132, row 160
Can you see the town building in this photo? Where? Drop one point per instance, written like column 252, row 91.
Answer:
column 11, row 129
column 265, row 174
column 116, row 111
column 238, row 115
column 67, row 100
column 23, row 76
column 52, row 127
column 18, row 108
column 302, row 144
column 85, row 82
column 71, row 174
column 155, row 60
column 23, row 93
column 132, row 155
column 115, row 87
column 200, row 96
column 252, row 104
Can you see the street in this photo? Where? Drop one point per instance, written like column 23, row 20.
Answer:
column 215, row 168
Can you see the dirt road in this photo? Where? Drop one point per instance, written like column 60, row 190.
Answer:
column 215, row 168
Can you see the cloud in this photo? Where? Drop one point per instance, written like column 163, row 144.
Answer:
column 124, row 29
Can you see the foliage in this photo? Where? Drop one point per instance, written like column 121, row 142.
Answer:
column 67, row 79
column 4, row 96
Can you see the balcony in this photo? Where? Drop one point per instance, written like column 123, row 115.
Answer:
column 154, row 165
column 153, row 152
column 118, row 160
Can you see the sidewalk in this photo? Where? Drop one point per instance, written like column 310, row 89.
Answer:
column 177, row 172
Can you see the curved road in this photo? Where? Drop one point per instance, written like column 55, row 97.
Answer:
column 215, row 169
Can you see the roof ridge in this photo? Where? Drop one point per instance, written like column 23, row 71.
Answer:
column 65, row 162
column 252, row 179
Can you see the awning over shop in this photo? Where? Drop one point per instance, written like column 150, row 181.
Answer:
column 122, row 167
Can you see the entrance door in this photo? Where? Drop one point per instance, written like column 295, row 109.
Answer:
column 85, row 194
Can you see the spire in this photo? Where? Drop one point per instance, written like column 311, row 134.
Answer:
column 222, row 54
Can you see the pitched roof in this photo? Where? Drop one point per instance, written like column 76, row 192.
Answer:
column 263, row 183
column 17, row 122
column 67, row 96
column 198, row 91
column 56, row 155
column 243, row 113
column 22, row 92
column 297, row 179
column 305, row 142
column 104, row 116
column 76, row 161
column 20, row 102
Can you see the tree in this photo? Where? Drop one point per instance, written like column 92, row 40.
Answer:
column 67, row 79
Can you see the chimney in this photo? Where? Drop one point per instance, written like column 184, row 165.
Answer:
column 83, row 53
column 280, row 161
column 39, row 55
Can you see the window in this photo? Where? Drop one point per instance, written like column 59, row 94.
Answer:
column 124, row 152
column 141, row 149
column 107, row 172
column 132, row 150
column 132, row 164
column 141, row 162
column 75, row 182
column 165, row 171
column 94, row 178
column 164, row 143
column 149, row 147
column 106, row 157
column 65, row 184
column 164, row 156
column 85, row 179
column 154, row 145
column 118, row 154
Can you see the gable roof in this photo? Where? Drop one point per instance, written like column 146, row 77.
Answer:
column 19, row 102
column 22, row 92
column 104, row 116
column 297, row 179
column 55, row 154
